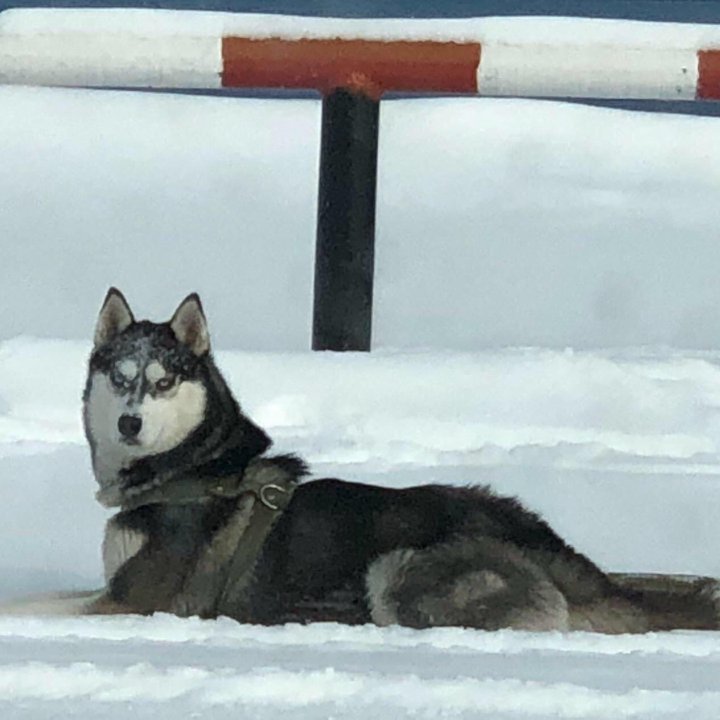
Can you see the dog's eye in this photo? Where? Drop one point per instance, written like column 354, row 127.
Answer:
column 164, row 383
column 118, row 380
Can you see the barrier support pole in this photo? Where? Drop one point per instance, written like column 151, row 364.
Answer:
column 345, row 246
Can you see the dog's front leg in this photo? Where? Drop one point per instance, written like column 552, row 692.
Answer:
column 57, row 604
column 103, row 604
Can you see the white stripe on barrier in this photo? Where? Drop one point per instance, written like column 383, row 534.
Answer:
column 107, row 60
column 590, row 72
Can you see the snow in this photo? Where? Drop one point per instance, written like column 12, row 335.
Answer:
column 619, row 449
column 547, row 314
column 500, row 222
column 168, row 667
column 526, row 30
column 181, row 668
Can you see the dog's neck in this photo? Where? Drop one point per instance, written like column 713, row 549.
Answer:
column 267, row 479
column 151, row 480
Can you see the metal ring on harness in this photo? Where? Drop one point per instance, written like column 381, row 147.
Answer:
column 267, row 502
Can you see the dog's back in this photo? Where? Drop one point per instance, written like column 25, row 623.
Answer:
column 343, row 550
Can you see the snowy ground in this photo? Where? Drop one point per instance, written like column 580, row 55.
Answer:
column 619, row 450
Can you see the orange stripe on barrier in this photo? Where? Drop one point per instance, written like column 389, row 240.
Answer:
column 371, row 66
column 708, row 87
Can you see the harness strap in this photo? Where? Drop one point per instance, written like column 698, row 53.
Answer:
column 273, row 493
column 271, row 489
column 191, row 488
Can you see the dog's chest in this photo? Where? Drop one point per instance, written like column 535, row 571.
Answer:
column 173, row 558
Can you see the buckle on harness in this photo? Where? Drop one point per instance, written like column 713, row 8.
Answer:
column 265, row 495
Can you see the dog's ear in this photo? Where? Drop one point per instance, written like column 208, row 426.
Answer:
column 189, row 325
column 115, row 316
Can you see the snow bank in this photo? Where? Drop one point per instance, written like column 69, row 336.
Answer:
column 499, row 222
column 608, row 407
column 226, row 633
column 183, row 668
column 336, row 691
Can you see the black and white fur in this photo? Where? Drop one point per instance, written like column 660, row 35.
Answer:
column 156, row 410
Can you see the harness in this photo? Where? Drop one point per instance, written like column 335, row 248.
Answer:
column 263, row 491
column 274, row 493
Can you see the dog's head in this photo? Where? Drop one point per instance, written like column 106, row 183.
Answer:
column 145, row 393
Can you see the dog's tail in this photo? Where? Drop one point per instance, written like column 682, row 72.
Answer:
column 673, row 602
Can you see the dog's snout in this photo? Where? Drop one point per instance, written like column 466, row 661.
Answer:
column 129, row 425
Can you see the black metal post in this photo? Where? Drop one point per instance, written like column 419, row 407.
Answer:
column 344, row 256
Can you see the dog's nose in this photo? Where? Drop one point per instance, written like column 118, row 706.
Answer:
column 129, row 425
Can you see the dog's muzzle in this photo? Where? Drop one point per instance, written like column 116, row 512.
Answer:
column 129, row 427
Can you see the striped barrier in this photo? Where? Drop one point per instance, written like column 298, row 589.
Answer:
column 155, row 49
column 353, row 63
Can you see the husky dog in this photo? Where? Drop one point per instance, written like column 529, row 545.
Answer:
column 209, row 524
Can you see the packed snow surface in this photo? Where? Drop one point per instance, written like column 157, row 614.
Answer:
column 620, row 451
